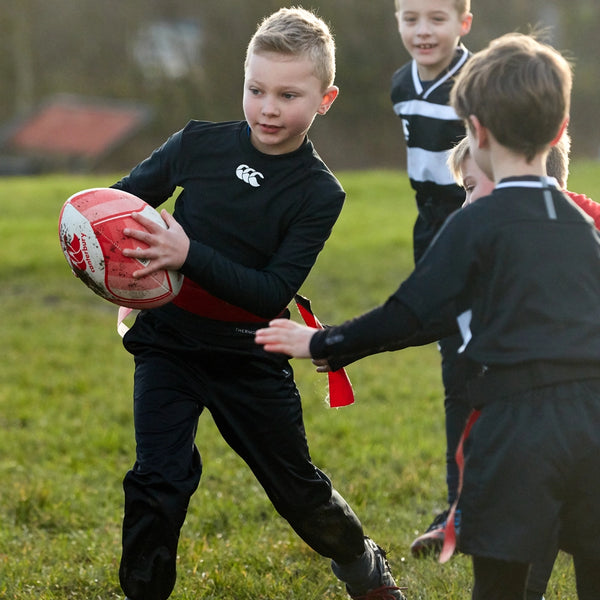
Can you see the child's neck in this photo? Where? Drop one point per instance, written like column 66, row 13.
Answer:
column 428, row 74
column 509, row 164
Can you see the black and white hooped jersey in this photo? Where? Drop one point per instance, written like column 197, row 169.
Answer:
column 431, row 128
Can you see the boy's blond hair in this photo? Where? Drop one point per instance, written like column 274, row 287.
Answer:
column 462, row 6
column 557, row 161
column 519, row 89
column 297, row 32
column 456, row 159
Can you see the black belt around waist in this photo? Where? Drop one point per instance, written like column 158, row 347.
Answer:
column 498, row 381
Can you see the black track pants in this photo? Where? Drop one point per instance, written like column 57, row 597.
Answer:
column 255, row 404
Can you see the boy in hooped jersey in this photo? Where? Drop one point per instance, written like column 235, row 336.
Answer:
column 256, row 208
column 522, row 264
column 431, row 32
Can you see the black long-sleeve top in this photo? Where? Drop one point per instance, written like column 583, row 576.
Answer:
column 519, row 267
column 256, row 222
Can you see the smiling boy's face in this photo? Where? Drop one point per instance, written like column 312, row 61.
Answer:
column 430, row 31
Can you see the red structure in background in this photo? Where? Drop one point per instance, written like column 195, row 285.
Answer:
column 70, row 132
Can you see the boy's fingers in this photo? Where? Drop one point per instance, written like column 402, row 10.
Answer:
column 168, row 218
column 150, row 227
column 264, row 336
column 136, row 234
column 149, row 224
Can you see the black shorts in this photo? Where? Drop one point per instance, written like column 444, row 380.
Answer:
column 532, row 475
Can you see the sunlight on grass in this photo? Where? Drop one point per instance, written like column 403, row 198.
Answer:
column 67, row 439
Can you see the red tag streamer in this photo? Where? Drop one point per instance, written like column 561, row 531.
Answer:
column 340, row 388
column 450, row 529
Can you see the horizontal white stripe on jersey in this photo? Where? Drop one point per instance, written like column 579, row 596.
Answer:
column 422, row 108
column 423, row 165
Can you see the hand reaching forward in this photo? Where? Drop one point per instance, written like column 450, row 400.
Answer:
column 167, row 248
column 287, row 337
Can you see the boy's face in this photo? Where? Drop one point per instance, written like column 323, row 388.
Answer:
column 282, row 96
column 475, row 181
column 430, row 31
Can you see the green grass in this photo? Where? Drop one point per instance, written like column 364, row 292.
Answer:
column 66, row 436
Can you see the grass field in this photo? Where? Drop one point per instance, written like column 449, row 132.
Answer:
column 66, row 435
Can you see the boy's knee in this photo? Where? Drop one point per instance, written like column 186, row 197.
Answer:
column 331, row 529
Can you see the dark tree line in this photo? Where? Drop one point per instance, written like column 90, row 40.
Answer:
column 92, row 48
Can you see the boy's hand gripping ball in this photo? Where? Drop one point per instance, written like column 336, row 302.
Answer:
column 91, row 227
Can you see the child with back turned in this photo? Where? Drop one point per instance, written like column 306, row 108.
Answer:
column 256, row 206
column 431, row 32
column 521, row 267
column 478, row 185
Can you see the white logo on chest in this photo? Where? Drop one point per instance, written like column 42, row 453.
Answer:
column 249, row 175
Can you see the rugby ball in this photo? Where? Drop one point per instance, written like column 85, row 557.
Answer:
column 91, row 227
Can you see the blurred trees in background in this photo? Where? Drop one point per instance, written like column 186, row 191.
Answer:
column 184, row 58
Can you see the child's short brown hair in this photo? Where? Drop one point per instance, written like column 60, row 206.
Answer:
column 519, row 89
column 297, row 32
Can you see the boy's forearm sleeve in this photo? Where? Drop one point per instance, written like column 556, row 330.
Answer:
column 376, row 331
column 443, row 325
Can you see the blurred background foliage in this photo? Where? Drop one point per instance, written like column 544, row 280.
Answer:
column 184, row 59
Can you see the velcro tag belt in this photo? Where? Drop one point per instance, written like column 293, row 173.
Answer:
column 340, row 388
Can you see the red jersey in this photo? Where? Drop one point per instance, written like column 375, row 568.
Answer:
column 586, row 204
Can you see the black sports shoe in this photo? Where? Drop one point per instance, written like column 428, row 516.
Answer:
column 432, row 541
column 387, row 590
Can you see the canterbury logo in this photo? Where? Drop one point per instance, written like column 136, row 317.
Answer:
column 75, row 252
column 249, row 175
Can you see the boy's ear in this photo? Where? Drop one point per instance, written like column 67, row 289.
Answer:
column 328, row 97
column 465, row 25
column 480, row 133
column 398, row 15
column 562, row 129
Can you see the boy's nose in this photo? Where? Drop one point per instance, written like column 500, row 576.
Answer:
column 422, row 27
column 269, row 107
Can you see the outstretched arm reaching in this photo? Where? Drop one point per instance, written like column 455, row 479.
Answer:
column 381, row 329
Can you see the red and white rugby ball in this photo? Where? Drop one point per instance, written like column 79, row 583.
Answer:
column 91, row 227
